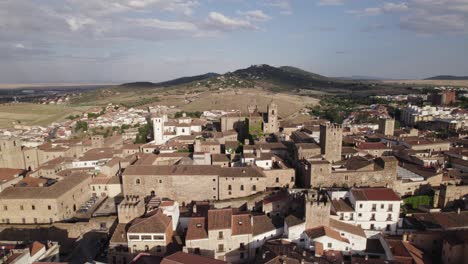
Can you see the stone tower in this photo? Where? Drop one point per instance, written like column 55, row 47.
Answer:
column 317, row 209
column 272, row 125
column 386, row 126
column 130, row 208
column 331, row 141
column 11, row 155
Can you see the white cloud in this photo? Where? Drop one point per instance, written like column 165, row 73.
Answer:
column 19, row 46
column 331, row 2
column 430, row 17
column 220, row 21
column 393, row 7
column 256, row 15
column 77, row 23
column 283, row 5
column 387, row 7
column 166, row 25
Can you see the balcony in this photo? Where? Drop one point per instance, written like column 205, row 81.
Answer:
column 372, row 218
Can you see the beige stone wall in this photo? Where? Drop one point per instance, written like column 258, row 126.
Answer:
column 280, row 177
column 322, row 176
column 182, row 188
column 450, row 193
column 231, row 187
column 42, row 211
column 11, row 155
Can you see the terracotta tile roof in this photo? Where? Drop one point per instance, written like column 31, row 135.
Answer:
column 292, row 220
column 358, row 162
column 263, row 224
column 307, row 145
column 372, row 145
column 51, row 192
column 32, row 182
column 172, row 170
column 219, row 219
column 155, row 223
column 349, row 228
column 97, row 154
column 7, row 174
column 196, row 229
column 375, row 194
column 120, row 234
column 325, row 231
column 241, row 224
column 253, row 172
column 444, row 220
column 219, row 157
column 342, row 205
column 35, row 247
column 186, row 258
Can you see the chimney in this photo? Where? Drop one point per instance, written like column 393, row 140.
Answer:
column 405, row 236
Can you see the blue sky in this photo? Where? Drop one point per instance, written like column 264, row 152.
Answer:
column 155, row 40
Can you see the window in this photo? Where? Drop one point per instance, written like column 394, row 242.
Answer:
column 292, row 179
column 220, row 247
column 160, row 181
column 137, row 181
column 372, row 227
column 33, row 207
column 254, row 188
column 329, row 245
column 389, row 217
column 158, row 237
column 372, row 217
column 146, row 237
column 277, row 179
column 242, row 246
column 242, row 187
column 220, row 235
column 35, row 220
column 382, row 206
column 390, row 207
column 360, row 205
column 359, row 215
column 5, row 208
column 374, row 207
column 229, row 187
column 21, row 207
column 134, row 237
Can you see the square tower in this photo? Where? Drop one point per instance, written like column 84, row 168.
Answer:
column 331, row 136
column 386, row 126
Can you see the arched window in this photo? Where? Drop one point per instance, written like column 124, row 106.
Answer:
column 137, row 181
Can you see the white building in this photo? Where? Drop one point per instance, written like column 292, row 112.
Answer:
column 165, row 129
column 373, row 209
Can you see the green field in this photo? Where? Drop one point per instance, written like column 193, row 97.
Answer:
column 35, row 114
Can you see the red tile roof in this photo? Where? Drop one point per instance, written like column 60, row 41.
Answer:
column 325, row 231
column 375, row 194
column 241, row 225
column 219, row 219
column 196, row 229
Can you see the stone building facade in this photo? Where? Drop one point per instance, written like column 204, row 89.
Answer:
column 43, row 205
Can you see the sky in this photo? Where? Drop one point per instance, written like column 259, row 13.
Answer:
column 157, row 40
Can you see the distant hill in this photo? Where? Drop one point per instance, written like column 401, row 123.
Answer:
column 362, row 78
column 447, row 77
column 178, row 81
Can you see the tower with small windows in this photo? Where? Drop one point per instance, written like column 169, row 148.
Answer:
column 331, row 136
column 271, row 126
